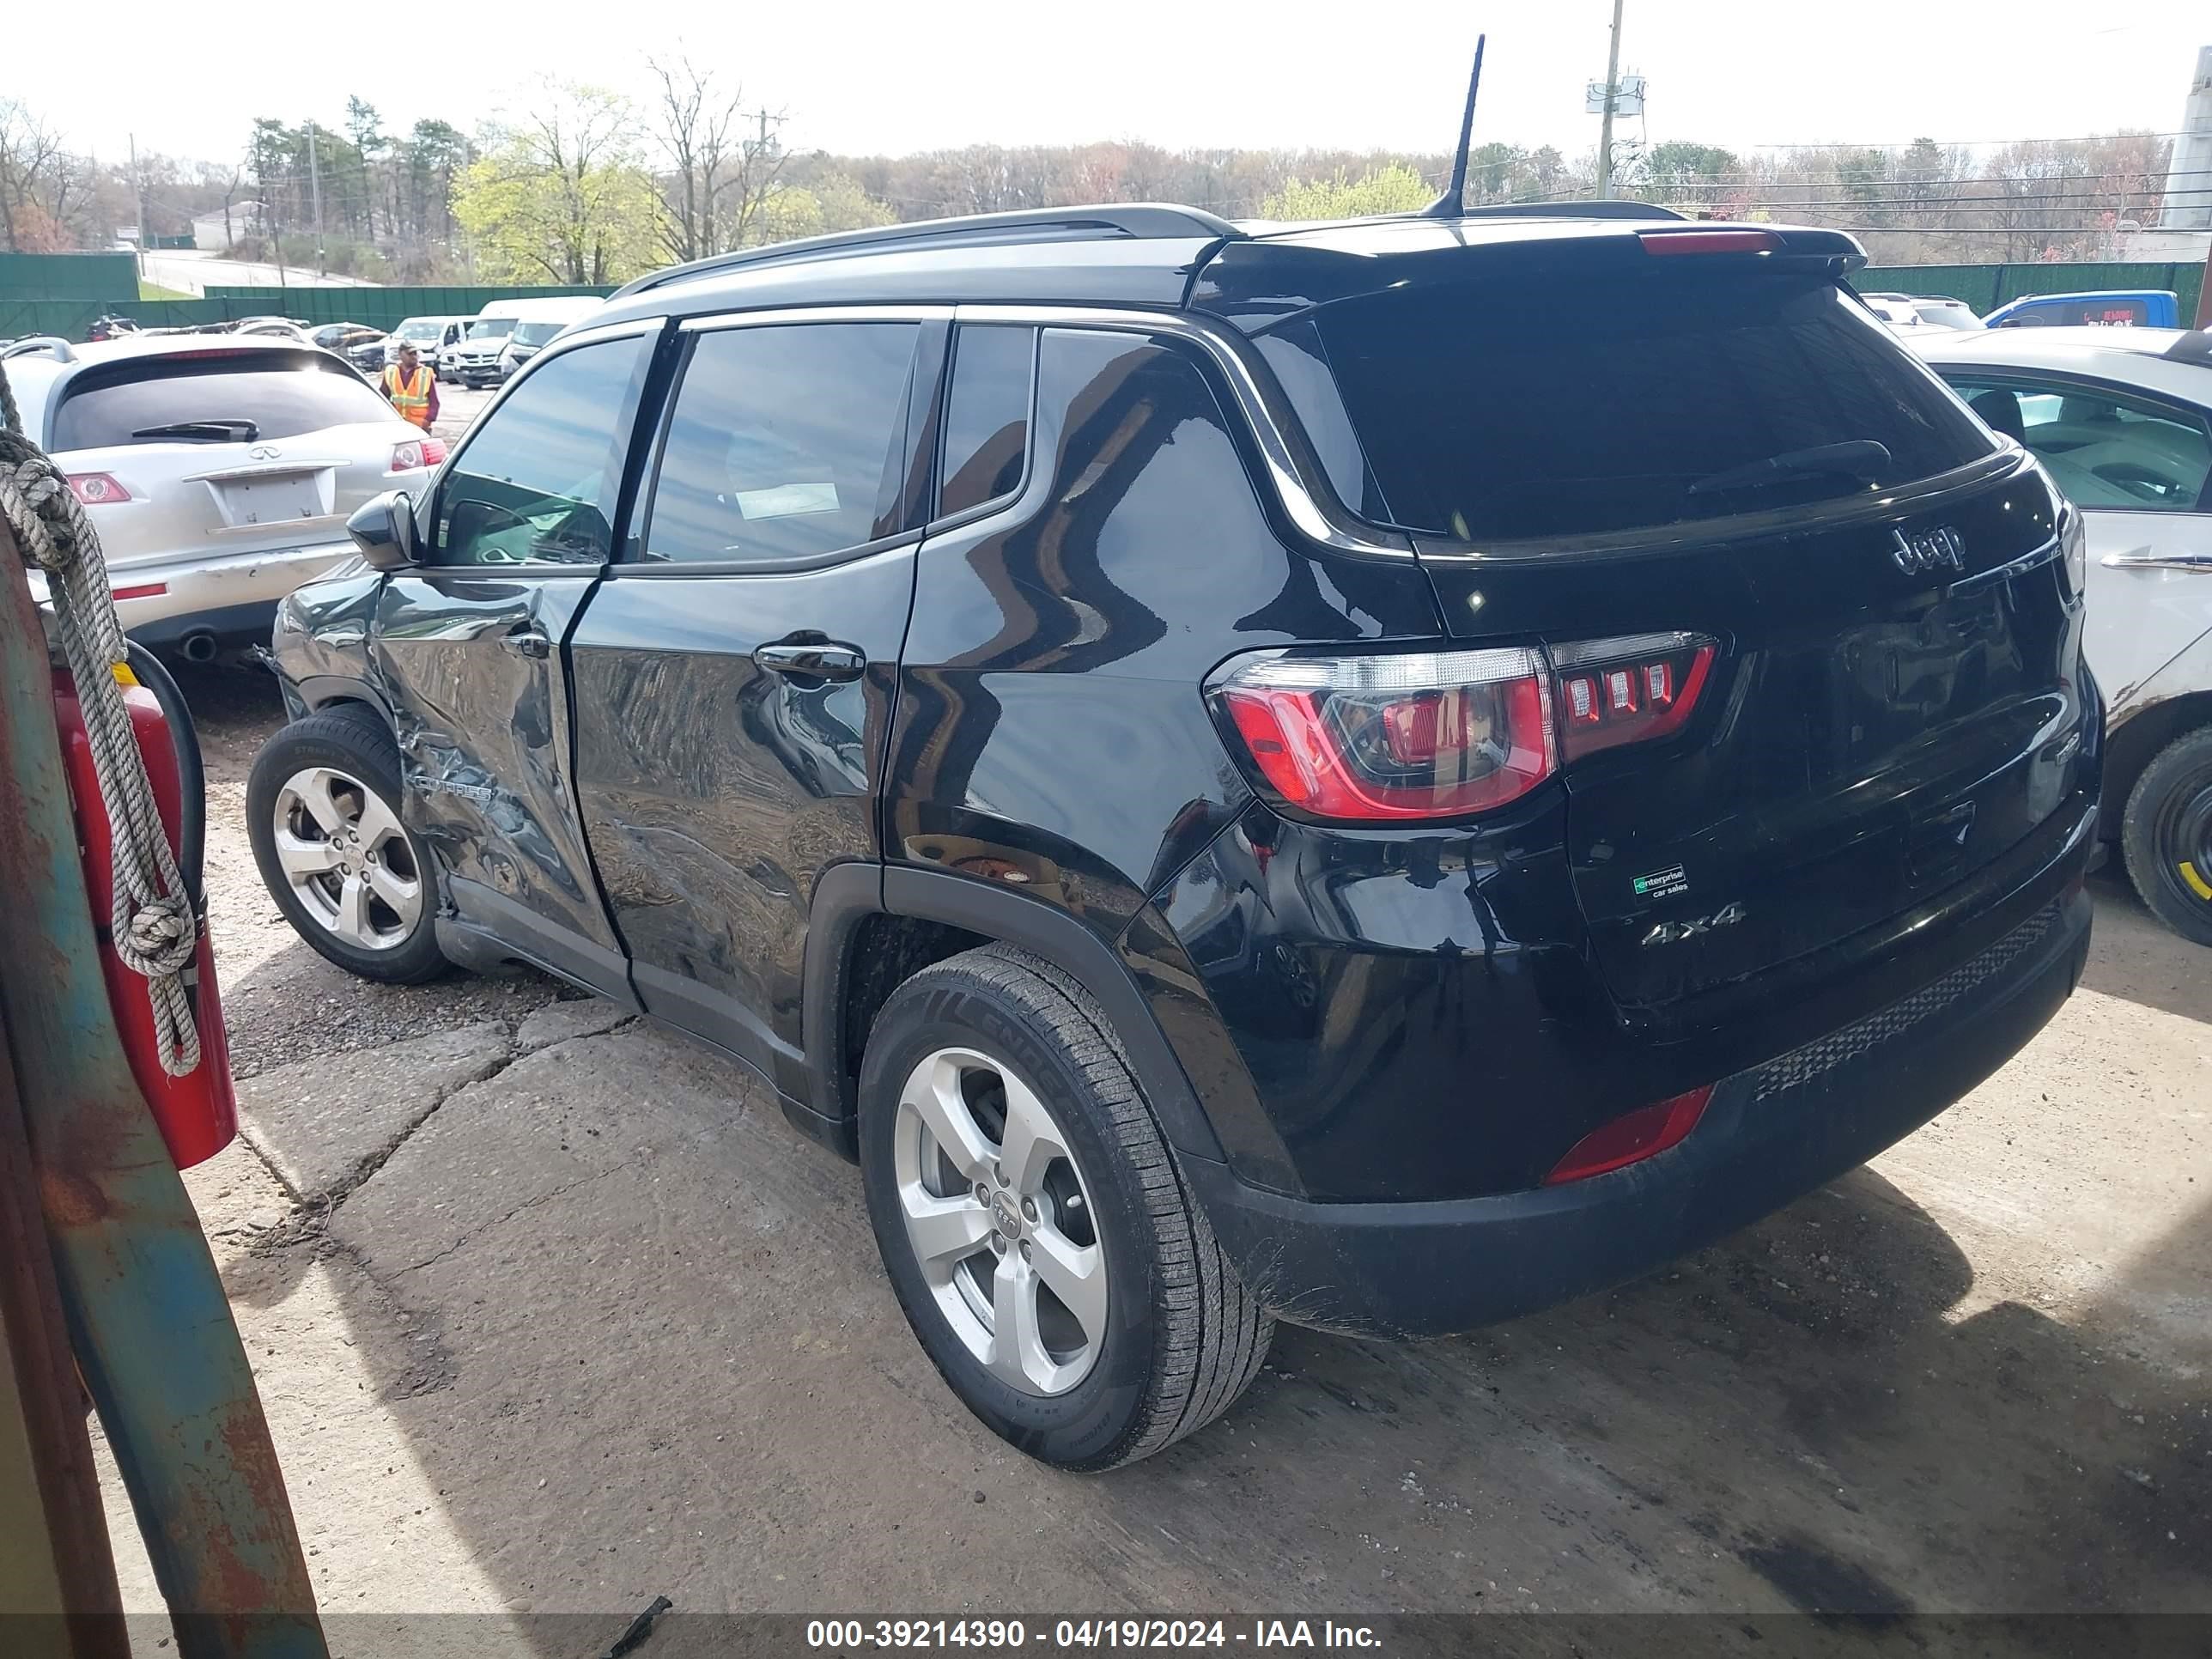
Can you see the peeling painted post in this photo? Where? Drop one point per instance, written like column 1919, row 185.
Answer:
column 147, row 1316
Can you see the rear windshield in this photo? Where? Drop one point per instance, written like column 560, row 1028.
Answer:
column 280, row 394
column 1523, row 408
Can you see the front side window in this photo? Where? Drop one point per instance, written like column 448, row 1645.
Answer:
column 986, row 416
column 537, row 480
column 787, row 442
column 2105, row 448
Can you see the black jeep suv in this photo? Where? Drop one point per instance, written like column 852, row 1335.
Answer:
column 1380, row 775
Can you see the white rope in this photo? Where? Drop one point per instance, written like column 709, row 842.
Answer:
column 156, row 935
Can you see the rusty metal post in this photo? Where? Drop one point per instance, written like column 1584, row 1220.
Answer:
column 57, row 1593
column 145, row 1308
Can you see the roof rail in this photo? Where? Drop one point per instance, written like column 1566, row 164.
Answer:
column 1592, row 209
column 43, row 345
column 1146, row 221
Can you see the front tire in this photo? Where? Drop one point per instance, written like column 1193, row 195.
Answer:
column 322, row 811
column 1034, row 1225
column 2166, row 834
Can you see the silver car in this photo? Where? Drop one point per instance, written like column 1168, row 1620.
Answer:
column 219, row 470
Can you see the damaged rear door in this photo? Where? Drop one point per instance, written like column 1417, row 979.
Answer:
column 469, row 646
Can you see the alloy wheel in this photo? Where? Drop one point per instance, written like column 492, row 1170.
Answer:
column 1001, row 1221
column 347, row 860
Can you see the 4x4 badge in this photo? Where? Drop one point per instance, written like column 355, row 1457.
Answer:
column 1673, row 933
column 1940, row 549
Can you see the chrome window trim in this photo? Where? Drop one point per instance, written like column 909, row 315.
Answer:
column 784, row 316
column 1999, row 574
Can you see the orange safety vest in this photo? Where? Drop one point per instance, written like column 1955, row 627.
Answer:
column 411, row 399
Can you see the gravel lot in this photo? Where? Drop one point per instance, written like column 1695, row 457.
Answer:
column 553, row 1313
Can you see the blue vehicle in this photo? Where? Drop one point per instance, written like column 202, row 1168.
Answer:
column 2119, row 307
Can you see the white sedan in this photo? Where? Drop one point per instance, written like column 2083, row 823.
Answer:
column 220, row 470
column 2122, row 417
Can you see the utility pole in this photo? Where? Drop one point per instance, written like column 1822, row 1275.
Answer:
column 138, row 189
column 1612, row 95
column 315, row 188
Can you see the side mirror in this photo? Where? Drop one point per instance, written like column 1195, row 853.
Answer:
column 384, row 531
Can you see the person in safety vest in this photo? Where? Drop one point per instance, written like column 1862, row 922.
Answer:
column 412, row 388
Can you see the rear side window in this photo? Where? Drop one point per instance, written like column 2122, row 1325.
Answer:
column 787, row 442
column 252, row 398
column 1524, row 408
column 986, row 416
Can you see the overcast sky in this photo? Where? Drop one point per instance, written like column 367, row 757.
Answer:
column 857, row 76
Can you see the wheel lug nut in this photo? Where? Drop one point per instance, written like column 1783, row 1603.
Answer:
column 1029, row 1209
column 1027, row 1254
column 982, row 1194
column 999, row 1173
column 997, row 1243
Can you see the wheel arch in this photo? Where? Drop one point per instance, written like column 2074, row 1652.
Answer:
column 854, row 960
column 2135, row 742
column 325, row 694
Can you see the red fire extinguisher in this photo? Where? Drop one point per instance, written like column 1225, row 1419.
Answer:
column 197, row 1113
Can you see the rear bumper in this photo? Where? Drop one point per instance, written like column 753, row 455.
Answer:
column 1770, row 1135
column 231, row 595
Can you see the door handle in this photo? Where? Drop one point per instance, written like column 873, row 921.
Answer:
column 526, row 641
column 2144, row 559
column 811, row 660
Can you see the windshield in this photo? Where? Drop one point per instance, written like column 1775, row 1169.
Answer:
column 416, row 329
column 491, row 328
column 1527, row 407
column 536, row 334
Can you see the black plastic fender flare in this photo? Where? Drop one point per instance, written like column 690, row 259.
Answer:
column 846, row 893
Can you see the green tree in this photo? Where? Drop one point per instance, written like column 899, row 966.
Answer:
column 1393, row 189
column 1686, row 173
column 562, row 196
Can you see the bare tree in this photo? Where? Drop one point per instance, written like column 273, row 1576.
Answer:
column 721, row 175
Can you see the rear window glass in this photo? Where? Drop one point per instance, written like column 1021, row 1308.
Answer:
column 1522, row 408
column 280, row 395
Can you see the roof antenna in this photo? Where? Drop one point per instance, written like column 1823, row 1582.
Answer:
column 1453, row 203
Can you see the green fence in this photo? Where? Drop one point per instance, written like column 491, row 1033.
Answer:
column 93, row 276
column 380, row 307
column 72, row 316
column 1987, row 287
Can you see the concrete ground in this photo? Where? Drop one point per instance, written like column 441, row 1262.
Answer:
column 552, row 1312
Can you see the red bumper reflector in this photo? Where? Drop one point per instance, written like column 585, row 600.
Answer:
column 1631, row 1137
column 143, row 591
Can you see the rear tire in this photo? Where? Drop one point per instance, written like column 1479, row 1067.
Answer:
column 322, row 811
column 1158, row 1346
column 2167, row 834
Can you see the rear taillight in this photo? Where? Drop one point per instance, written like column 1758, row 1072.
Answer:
column 97, row 488
column 1631, row 1137
column 416, row 453
column 1441, row 734
column 1430, row 734
column 1625, row 691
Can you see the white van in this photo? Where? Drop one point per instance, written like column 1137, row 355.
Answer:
column 431, row 336
column 536, row 322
